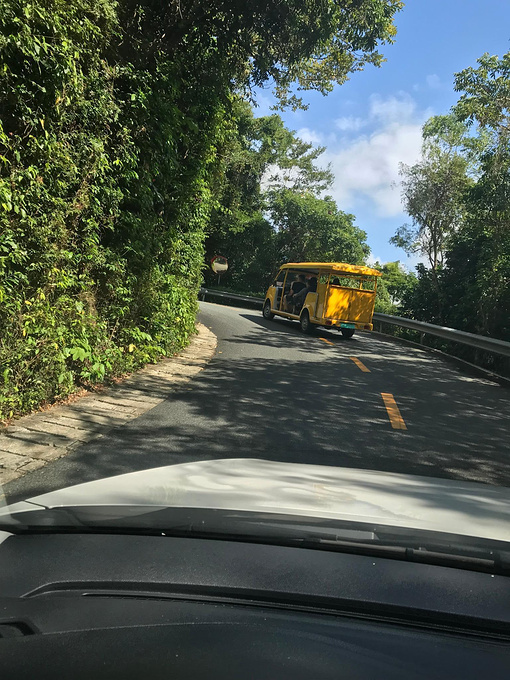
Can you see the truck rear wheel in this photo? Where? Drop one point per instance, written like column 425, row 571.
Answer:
column 266, row 311
column 305, row 323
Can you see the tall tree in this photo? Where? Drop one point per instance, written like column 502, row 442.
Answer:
column 471, row 289
column 314, row 229
column 485, row 104
column 396, row 280
column 432, row 194
column 261, row 157
column 258, row 155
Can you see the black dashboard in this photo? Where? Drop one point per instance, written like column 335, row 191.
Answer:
column 129, row 606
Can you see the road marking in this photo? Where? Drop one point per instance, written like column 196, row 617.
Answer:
column 396, row 420
column 360, row 364
column 328, row 341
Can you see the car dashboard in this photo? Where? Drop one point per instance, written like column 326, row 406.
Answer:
column 104, row 605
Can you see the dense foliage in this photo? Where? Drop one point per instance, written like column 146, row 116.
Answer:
column 271, row 209
column 113, row 115
column 465, row 178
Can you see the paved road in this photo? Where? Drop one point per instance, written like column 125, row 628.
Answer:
column 271, row 392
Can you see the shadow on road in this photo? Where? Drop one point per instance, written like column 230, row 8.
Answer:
column 280, row 328
column 309, row 411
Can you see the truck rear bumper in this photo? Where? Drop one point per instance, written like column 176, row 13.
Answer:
column 339, row 324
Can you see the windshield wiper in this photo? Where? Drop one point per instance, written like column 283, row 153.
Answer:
column 498, row 563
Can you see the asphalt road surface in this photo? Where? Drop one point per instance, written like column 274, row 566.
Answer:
column 271, row 392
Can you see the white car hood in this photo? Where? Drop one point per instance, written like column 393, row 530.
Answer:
column 265, row 486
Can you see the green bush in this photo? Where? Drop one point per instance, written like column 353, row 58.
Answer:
column 100, row 237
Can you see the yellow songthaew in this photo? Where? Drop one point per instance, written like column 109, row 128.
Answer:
column 330, row 294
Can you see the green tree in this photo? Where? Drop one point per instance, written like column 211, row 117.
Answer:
column 471, row 289
column 422, row 300
column 396, row 281
column 313, row 44
column 256, row 152
column 451, row 135
column 486, row 94
column 261, row 156
column 432, row 193
column 485, row 103
column 314, row 229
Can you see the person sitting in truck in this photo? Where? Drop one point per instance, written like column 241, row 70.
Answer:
column 299, row 298
column 298, row 285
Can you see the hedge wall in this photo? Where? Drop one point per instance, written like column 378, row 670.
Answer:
column 106, row 153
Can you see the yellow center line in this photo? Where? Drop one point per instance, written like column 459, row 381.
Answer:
column 328, row 341
column 360, row 364
column 396, row 420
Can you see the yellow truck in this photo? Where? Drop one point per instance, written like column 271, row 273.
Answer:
column 330, row 294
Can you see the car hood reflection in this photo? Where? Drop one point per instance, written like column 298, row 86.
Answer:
column 253, row 485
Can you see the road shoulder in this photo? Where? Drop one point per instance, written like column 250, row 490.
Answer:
column 37, row 439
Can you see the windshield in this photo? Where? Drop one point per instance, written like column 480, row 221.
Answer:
column 180, row 186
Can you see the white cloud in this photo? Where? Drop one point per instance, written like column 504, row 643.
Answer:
column 349, row 123
column 309, row 136
column 433, row 81
column 400, row 109
column 373, row 259
column 366, row 169
column 366, row 165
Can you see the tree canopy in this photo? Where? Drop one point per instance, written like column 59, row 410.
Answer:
column 270, row 206
column 468, row 285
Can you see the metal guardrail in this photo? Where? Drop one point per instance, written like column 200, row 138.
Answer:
column 206, row 292
column 470, row 339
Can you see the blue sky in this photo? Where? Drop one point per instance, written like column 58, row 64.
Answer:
column 374, row 121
